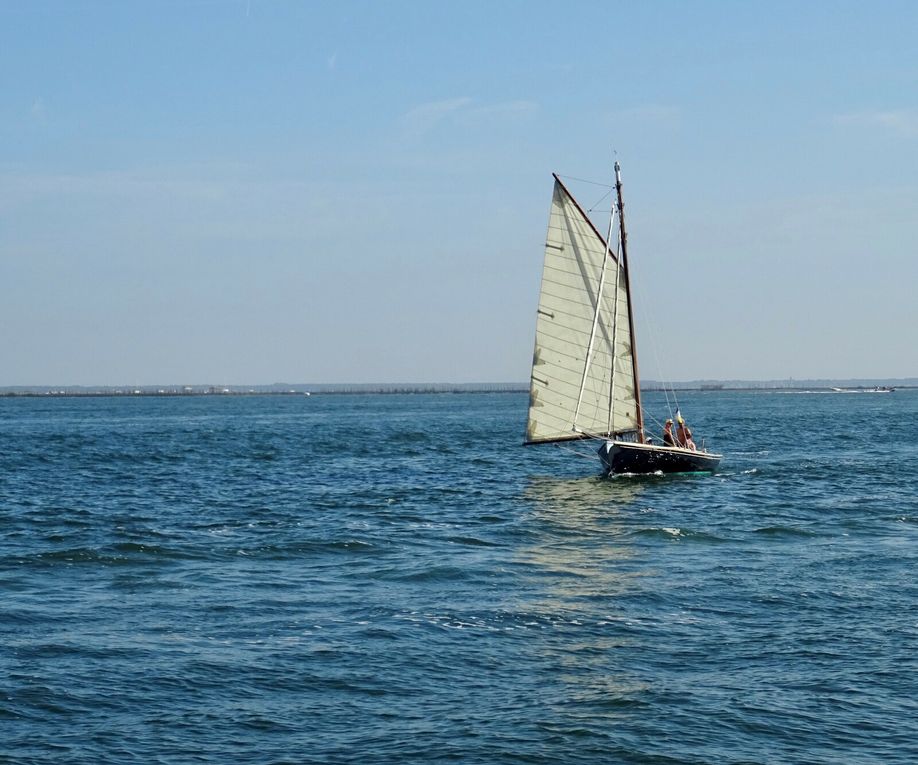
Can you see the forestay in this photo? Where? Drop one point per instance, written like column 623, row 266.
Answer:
column 576, row 389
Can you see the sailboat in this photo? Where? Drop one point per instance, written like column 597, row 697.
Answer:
column 584, row 382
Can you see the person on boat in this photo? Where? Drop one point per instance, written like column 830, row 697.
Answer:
column 668, row 439
column 684, row 436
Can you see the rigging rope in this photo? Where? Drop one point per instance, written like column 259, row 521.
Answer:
column 599, row 201
column 667, row 385
column 579, row 453
column 583, row 180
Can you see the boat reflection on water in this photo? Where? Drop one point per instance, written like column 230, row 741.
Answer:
column 580, row 536
column 586, row 579
column 586, row 504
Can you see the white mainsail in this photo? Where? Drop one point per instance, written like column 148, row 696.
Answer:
column 573, row 379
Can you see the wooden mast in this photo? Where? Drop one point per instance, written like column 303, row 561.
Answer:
column 624, row 236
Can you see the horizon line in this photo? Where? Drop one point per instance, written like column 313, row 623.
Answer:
column 521, row 384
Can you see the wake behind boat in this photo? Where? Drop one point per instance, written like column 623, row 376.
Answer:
column 584, row 382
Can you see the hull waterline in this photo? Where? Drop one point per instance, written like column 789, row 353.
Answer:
column 627, row 457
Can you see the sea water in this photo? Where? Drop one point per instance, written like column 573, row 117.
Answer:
column 394, row 578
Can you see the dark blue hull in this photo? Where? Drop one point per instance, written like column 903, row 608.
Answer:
column 627, row 457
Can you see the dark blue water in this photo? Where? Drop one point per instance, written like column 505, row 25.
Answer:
column 388, row 579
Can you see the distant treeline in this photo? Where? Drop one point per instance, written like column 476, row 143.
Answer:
column 278, row 389
column 421, row 388
column 788, row 384
column 285, row 389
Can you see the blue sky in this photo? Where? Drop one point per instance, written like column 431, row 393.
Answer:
column 248, row 192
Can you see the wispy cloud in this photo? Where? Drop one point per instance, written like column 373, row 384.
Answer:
column 193, row 183
column 658, row 114
column 197, row 202
column 507, row 107
column 333, row 61
column 904, row 122
column 426, row 117
column 421, row 119
column 38, row 110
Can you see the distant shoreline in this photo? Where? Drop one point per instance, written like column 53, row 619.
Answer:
column 197, row 391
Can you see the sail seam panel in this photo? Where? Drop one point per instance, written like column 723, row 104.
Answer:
column 553, row 341
column 562, row 389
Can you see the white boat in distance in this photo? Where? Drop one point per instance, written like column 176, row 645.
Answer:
column 584, row 382
column 877, row 389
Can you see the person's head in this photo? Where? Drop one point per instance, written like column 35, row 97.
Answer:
column 669, row 424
